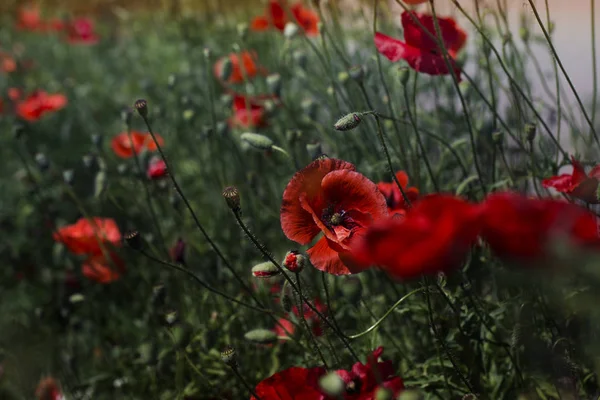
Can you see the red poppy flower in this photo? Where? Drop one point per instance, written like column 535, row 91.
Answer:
column 126, row 147
column 292, row 383
column 14, row 94
column 48, row 389
column 243, row 66
column 7, row 63
column 157, row 169
column 393, row 196
column 81, row 30
column 577, row 184
column 28, row 18
column 435, row 235
column 329, row 196
column 86, row 236
column 276, row 16
column 34, row 106
column 419, row 50
column 101, row 269
column 312, row 319
column 521, row 229
column 362, row 380
column 247, row 113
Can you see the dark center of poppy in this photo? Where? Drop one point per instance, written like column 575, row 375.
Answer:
column 353, row 386
column 336, row 219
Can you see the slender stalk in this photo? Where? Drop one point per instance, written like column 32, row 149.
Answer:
column 308, row 330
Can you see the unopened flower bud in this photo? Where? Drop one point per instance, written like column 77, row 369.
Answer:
column 232, row 196
column 290, row 30
column 229, row 357
column 222, row 128
column 260, row 142
column 261, row 336
column 226, row 69
column 294, row 261
column 332, row 385
column 242, row 30
column 133, row 239
column 265, row 270
column 383, row 393
column 403, row 75
column 270, row 108
column 274, row 84
column 530, row 131
column 347, row 122
column 207, row 53
column 42, row 161
column 171, row 317
column 141, row 106
column 357, row 72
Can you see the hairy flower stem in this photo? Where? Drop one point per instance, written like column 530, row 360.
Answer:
column 389, row 159
column 562, row 68
column 268, row 256
column 308, row 330
column 201, row 282
column 212, row 244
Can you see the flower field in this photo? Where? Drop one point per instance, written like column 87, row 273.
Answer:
column 297, row 200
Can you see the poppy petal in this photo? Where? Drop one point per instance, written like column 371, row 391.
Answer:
column 325, row 259
column 453, row 36
column 259, row 24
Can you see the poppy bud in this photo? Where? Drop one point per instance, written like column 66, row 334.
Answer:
column 42, row 161
column 265, row 270
column 357, row 73
column 299, row 58
column 229, row 356
column 141, row 106
column 347, row 122
column 294, row 261
column 332, row 385
column 314, row 149
column 206, row 51
column 530, row 131
column 261, row 336
column 226, row 69
column 352, row 289
column 178, row 252
column 126, row 115
column 260, row 142
column 122, row 169
column 404, row 75
column 242, row 30
column 232, row 197
column 411, row 395
column 383, row 393
column 330, row 91
column 133, row 239
column 68, row 176
column 188, row 114
column 290, row 30
column 274, row 84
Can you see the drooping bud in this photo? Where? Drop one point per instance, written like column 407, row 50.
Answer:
column 141, row 106
column 232, row 196
column 261, row 336
column 226, row 69
column 290, row 30
column 274, row 84
column 260, row 142
column 332, row 385
column 229, row 357
column 133, row 239
column 347, row 122
column 383, row 393
column 265, row 270
column 294, row 261
column 530, row 131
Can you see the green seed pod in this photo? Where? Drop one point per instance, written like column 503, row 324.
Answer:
column 232, row 196
column 260, row 142
column 261, row 336
column 347, row 122
column 332, row 385
column 265, row 270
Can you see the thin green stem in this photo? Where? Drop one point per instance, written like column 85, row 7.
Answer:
column 308, row 330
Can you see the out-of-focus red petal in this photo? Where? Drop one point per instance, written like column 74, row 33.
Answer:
column 306, row 19
column 294, row 383
column 297, row 224
column 393, row 49
column 453, row 36
column 259, row 24
column 562, row 183
column 102, row 270
column 325, row 259
column 277, row 14
column 578, row 174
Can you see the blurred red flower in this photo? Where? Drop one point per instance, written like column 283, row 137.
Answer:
column 435, row 235
column 521, row 229
column 86, row 236
column 291, row 383
column 419, row 50
column 48, row 389
column 38, row 103
column 28, row 18
column 577, row 184
column 393, row 196
column 103, row 268
column 81, row 30
column 157, row 169
column 248, row 112
column 329, row 196
column 275, row 16
column 243, row 66
column 7, row 63
column 126, row 147
column 312, row 319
